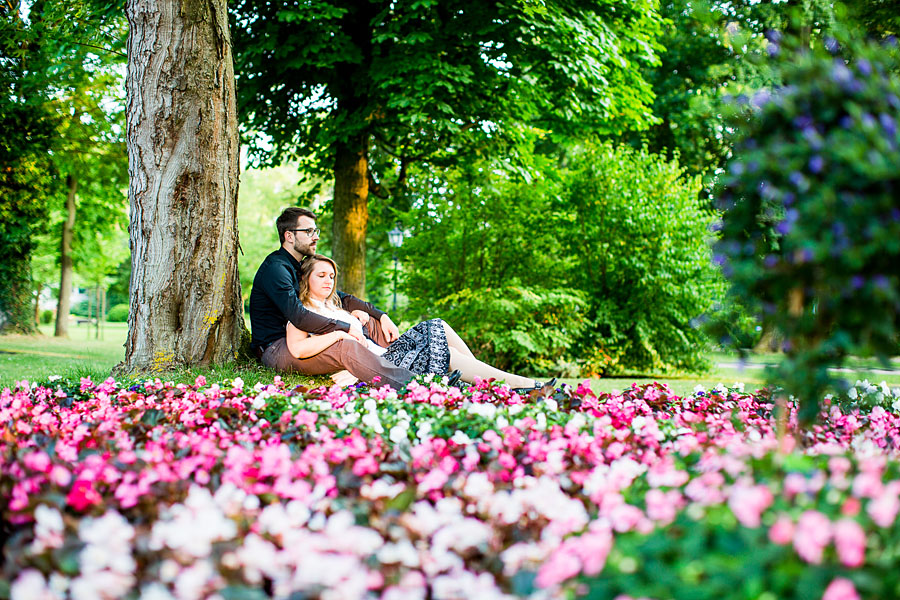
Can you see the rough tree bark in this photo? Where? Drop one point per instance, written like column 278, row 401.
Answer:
column 351, row 214
column 182, row 144
column 64, row 304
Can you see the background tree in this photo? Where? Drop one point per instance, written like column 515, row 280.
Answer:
column 27, row 124
column 711, row 51
column 339, row 84
column 89, row 153
column 183, row 160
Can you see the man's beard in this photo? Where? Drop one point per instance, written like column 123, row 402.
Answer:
column 304, row 250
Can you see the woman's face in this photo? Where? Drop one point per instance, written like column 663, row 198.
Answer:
column 321, row 280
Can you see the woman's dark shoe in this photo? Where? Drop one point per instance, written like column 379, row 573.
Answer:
column 537, row 387
column 453, row 378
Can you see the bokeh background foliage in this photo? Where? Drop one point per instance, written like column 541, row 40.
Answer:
column 810, row 236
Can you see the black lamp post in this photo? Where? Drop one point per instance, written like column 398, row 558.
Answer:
column 395, row 239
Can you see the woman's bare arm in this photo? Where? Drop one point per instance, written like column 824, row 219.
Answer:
column 302, row 345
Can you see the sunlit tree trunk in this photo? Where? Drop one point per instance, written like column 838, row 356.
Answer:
column 64, row 304
column 182, row 143
column 351, row 214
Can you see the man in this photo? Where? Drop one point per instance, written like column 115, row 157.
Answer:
column 274, row 302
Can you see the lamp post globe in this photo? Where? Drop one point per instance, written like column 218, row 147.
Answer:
column 395, row 239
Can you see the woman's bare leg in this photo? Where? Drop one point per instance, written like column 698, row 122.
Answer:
column 470, row 368
column 454, row 341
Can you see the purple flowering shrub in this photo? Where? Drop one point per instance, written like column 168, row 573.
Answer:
column 169, row 491
column 810, row 232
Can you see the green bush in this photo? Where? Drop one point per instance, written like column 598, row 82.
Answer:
column 516, row 328
column 636, row 241
column 621, row 229
column 118, row 314
column 811, row 225
column 46, row 317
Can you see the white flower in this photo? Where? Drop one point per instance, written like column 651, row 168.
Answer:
column 402, row 552
column 191, row 581
column 192, row 527
column 259, row 557
column 398, row 433
column 699, row 388
column 156, row 591
column 551, row 404
column 54, row 378
column 30, row 585
column 460, row 438
column 258, row 402
column 852, row 393
column 637, row 423
column 424, row 430
column 578, row 420
column 370, row 405
column 483, row 410
column 381, row 489
column 502, row 422
column 238, row 383
column 372, row 421
column 48, row 529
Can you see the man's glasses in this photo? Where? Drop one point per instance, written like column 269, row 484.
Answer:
column 311, row 232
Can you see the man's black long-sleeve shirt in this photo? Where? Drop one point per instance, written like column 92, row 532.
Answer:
column 274, row 302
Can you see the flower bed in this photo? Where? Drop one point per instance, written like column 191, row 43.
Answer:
column 163, row 491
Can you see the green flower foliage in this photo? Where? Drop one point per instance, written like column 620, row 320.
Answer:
column 635, row 234
column 811, row 225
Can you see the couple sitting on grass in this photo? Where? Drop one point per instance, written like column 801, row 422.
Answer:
column 300, row 322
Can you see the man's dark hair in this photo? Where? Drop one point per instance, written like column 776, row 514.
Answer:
column 288, row 220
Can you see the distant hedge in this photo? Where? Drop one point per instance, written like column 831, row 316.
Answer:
column 118, row 314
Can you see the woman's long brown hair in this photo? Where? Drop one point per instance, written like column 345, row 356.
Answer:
column 306, row 269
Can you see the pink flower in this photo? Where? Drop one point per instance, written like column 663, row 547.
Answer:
column 812, row 535
column 562, row 565
column 748, row 502
column 883, row 509
column 38, row 461
column 506, row 460
column 850, row 541
column 662, row 506
column 782, row 531
column 434, row 480
column 365, row 466
column 625, row 517
column 305, row 417
column 840, row 589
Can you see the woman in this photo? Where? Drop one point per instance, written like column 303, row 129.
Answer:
column 429, row 347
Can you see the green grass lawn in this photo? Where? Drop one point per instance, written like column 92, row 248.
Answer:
column 37, row 357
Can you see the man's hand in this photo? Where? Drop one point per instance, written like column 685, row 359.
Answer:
column 362, row 316
column 390, row 330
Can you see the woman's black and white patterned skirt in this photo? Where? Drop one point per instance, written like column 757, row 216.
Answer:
column 422, row 349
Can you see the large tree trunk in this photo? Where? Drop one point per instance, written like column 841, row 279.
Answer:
column 64, row 305
column 182, row 143
column 351, row 214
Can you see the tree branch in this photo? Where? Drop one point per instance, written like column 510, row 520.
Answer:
column 115, row 52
